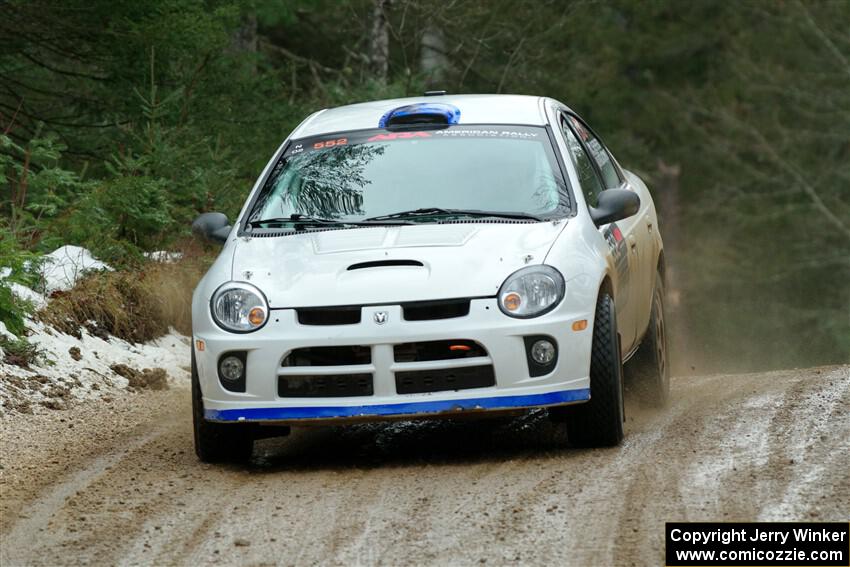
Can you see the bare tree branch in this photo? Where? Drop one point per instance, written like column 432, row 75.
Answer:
column 828, row 43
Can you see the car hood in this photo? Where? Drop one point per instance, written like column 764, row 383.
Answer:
column 382, row 264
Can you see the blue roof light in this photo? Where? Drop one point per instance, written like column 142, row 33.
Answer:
column 421, row 113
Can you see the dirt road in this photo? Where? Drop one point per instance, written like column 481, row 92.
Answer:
column 120, row 484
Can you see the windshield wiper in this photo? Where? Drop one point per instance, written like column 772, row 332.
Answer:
column 299, row 220
column 438, row 212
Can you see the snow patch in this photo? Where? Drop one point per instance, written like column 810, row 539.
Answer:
column 25, row 293
column 71, row 369
column 22, row 291
column 4, row 332
column 62, row 268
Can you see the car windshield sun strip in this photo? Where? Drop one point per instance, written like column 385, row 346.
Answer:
column 435, row 211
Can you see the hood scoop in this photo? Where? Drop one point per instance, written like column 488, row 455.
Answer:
column 384, row 264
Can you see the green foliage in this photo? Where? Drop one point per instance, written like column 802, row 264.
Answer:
column 19, row 266
column 19, row 352
column 39, row 187
column 11, row 312
column 129, row 209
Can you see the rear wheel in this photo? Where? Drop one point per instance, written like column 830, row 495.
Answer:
column 648, row 371
column 217, row 442
column 599, row 422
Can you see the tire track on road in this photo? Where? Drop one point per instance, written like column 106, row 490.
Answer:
column 440, row 492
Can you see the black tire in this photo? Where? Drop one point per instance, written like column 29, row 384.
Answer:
column 599, row 422
column 217, row 442
column 649, row 370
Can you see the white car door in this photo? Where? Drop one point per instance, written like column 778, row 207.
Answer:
column 646, row 223
column 621, row 235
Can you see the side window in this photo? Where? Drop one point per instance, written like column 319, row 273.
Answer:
column 591, row 185
column 600, row 155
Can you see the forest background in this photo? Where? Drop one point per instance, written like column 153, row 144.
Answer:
column 120, row 121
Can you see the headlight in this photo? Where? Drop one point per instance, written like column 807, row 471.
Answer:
column 531, row 291
column 239, row 307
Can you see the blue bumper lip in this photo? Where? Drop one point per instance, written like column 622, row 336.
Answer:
column 412, row 409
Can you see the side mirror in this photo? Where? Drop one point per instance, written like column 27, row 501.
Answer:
column 212, row 226
column 613, row 205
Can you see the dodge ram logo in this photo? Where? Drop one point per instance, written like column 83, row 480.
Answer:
column 380, row 317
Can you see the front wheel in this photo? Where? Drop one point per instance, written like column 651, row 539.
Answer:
column 217, row 442
column 599, row 422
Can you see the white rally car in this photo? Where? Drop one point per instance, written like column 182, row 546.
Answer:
column 427, row 257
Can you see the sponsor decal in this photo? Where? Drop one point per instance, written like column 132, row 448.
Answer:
column 617, row 233
column 460, row 133
column 330, row 143
column 599, row 153
column 579, row 127
column 398, row 136
column 349, row 139
column 619, row 250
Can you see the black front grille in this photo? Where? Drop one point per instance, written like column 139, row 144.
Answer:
column 437, row 350
column 429, row 310
column 423, row 381
column 348, row 315
column 329, row 386
column 415, row 311
column 329, row 356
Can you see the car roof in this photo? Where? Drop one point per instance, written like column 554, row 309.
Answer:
column 474, row 109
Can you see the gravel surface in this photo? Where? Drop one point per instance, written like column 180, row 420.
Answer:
column 118, row 483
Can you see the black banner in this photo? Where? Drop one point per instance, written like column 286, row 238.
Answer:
column 809, row 544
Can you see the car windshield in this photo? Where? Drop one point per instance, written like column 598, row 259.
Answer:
column 414, row 176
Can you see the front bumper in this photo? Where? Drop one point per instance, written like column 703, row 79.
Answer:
column 501, row 336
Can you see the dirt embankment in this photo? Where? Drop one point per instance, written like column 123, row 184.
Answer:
column 119, row 483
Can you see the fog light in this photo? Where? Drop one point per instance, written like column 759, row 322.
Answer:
column 543, row 352
column 231, row 368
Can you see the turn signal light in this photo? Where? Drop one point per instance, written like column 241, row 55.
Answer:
column 512, row 301
column 257, row 315
column 200, row 345
column 580, row 325
column 464, row 348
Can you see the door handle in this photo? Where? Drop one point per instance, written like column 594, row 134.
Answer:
column 649, row 226
column 632, row 242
